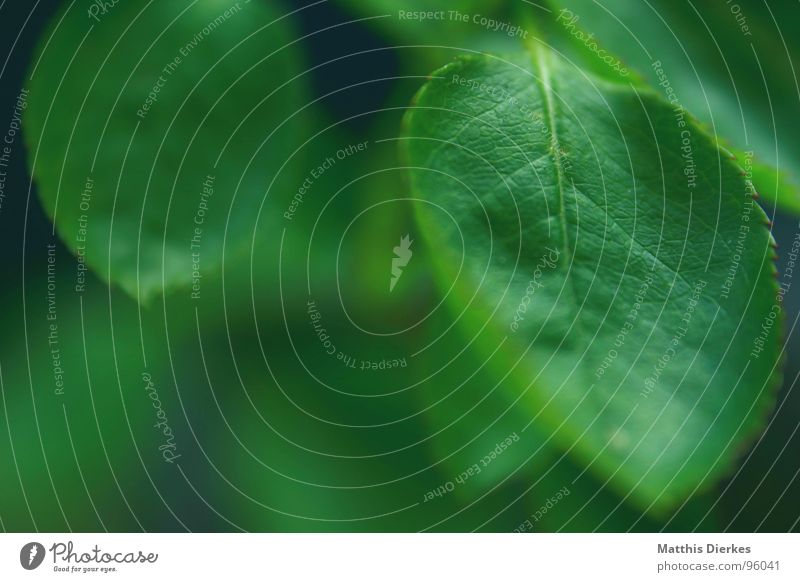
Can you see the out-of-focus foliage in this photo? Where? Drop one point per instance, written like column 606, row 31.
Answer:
column 157, row 132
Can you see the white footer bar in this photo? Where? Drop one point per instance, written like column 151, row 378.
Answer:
column 400, row 557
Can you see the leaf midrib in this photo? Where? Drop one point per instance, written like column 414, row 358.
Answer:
column 547, row 91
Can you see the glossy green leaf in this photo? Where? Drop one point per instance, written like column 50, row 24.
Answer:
column 617, row 255
column 156, row 132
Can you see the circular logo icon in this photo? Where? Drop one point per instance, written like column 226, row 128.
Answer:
column 31, row 555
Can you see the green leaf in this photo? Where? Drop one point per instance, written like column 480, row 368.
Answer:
column 600, row 226
column 725, row 63
column 157, row 120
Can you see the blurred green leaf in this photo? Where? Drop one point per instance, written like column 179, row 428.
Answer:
column 300, row 456
column 158, row 130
